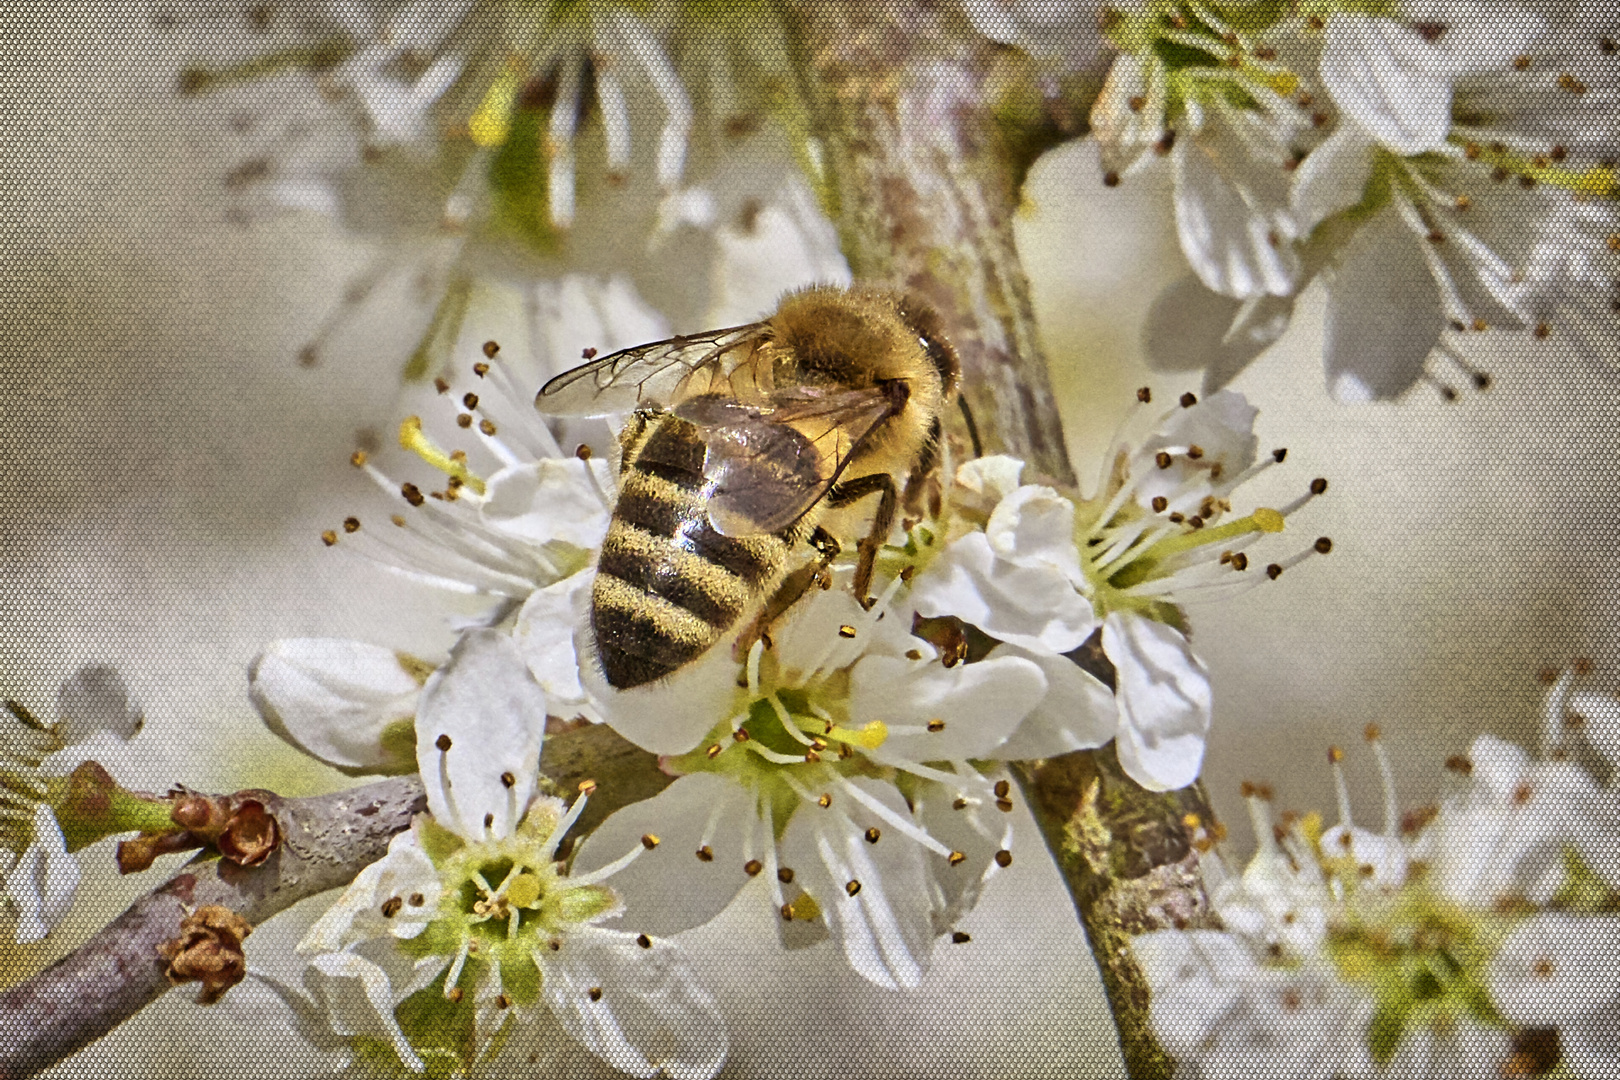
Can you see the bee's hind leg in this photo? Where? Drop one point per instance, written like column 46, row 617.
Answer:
column 859, row 488
column 794, row 586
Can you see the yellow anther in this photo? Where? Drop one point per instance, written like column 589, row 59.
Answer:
column 1599, row 181
column 412, row 438
column 870, row 737
column 491, row 122
column 1285, row 83
column 1267, row 520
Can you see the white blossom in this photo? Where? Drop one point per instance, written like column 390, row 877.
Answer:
column 1062, row 38
column 451, row 945
column 515, row 526
column 1222, row 103
column 40, row 874
column 460, row 139
column 1556, row 970
column 1456, row 167
column 1047, row 573
column 803, row 764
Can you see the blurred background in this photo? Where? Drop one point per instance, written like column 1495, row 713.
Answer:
column 167, row 464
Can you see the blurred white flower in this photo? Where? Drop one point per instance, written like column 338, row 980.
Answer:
column 460, row 138
column 808, row 769
column 1063, row 38
column 1556, row 970
column 452, row 944
column 1224, row 101
column 1047, row 573
column 40, row 874
column 1471, row 938
column 1221, row 1011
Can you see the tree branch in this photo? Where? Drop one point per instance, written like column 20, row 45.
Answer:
column 325, row 841
column 922, row 184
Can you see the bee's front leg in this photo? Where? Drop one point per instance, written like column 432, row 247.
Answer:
column 849, row 491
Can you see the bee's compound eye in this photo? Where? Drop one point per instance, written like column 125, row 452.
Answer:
column 942, row 356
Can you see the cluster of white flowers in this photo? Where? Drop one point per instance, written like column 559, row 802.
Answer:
column 847, row 757
column 1447, row 160
column 40, row 874
column 1470, row 938
column 457, row 136
column 1046, row 573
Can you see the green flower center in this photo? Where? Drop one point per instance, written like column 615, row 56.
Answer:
column 1423, row 959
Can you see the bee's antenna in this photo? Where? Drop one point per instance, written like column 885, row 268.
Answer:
column 972, row 428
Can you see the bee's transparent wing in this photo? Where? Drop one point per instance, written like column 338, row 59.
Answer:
column 652, row 376
column 767, row 465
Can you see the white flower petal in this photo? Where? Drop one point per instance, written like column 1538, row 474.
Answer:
column 487, row 704
column 650, row 1013
column 1035, row 607
column 370, row 1012
column 885, row 928
column 1077, row 713
column 1382, row 859
column 552, row 499
column 812, row 636
column 973, row 829
column 1477, row 37
column 1591, row 1044
column 1124, row 134
column 1191, row 327
column 1195, row 977
column 43, row 880
column 544, row 634
column 335, row 699
column 95, row 698
column 670, row 716
column 1164, row 701
column 1237, row 245
column 669, row 889
column 979, row 704
column 1462, row 1050
column 1034, row 527
column 1600, row 722
column 1222, row 426
column 1384, row 315
column 1554, row 967
column 987, row 480
column 1388, row 79
column 1333, row 177
column 357, row 914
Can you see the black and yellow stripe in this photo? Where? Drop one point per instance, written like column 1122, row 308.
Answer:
column 667, row 585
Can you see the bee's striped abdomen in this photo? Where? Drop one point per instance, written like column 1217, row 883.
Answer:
column 667, row 585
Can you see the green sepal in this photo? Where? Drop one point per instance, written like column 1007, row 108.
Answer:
column 441, row 1031
column 90, row 805
column 438, row 842
column 567, row 906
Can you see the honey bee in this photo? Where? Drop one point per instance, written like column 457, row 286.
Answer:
column 745, row 443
